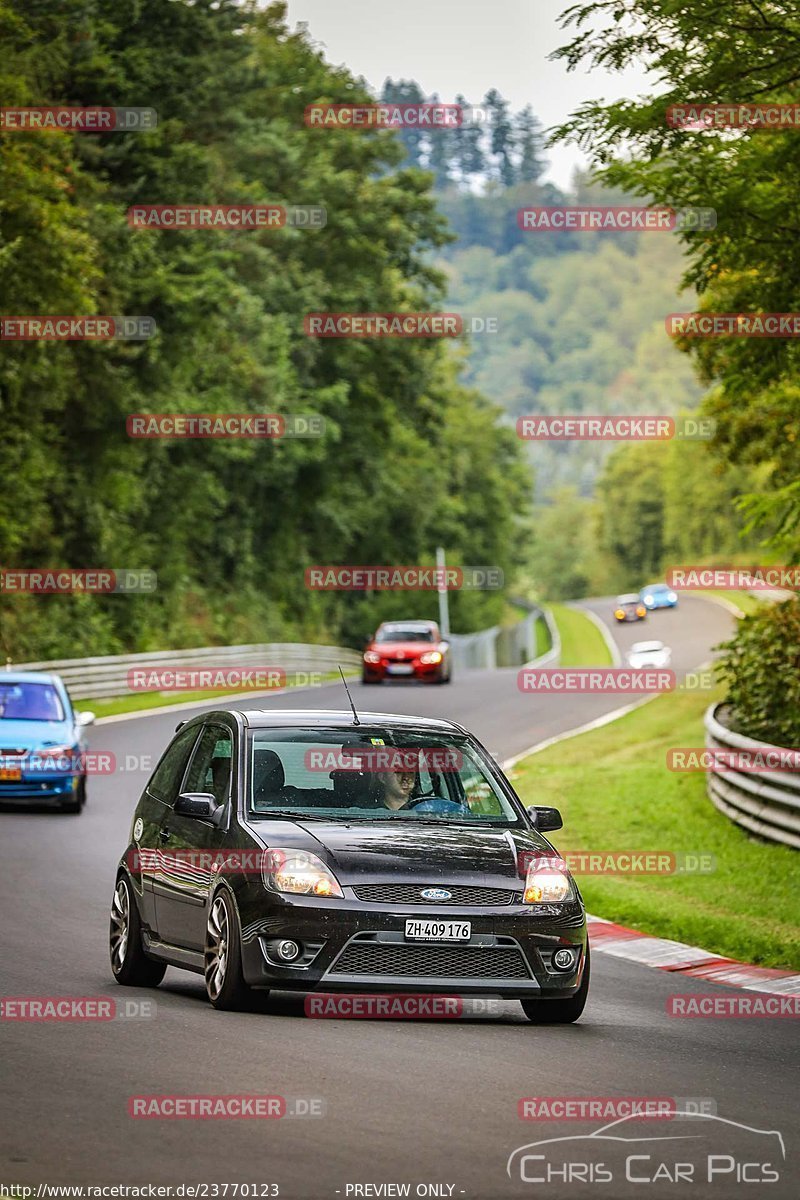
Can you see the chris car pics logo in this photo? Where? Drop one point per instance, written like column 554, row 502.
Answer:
column 694, row 1147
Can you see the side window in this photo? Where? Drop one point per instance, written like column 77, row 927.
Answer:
column 210, row 768
column 479, row 795
column 166, row 778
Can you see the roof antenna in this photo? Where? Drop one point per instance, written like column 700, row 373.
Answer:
column 350, row 698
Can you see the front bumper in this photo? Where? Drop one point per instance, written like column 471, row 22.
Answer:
column 427, row 672
column 353, row 946
column 39, row 789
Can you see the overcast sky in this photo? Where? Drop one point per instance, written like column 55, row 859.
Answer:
column 467, row 46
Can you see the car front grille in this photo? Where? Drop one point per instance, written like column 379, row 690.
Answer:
column 411, row 893
column 432, row 962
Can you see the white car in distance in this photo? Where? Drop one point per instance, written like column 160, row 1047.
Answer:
column 649, row 654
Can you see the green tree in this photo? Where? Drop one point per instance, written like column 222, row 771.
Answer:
column 748, row 53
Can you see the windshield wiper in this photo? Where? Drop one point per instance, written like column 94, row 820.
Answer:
column 290, row 813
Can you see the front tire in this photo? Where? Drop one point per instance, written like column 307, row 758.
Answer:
column 225, row 985
column 130, row 964
column 78, row 799
column 560, row 1012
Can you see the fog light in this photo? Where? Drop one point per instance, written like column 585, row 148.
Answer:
column 288, row 950
column 564, row 959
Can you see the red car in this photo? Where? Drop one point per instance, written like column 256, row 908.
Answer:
column 407, row 650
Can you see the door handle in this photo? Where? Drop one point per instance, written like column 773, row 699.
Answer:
column 164, row 835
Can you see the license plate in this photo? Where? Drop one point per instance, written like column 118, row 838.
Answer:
column 438, row 931
column 399, row 668
column 10, row 774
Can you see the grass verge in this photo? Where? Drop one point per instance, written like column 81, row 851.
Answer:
column 615, row 793
column 582, row 643
column 743, row 600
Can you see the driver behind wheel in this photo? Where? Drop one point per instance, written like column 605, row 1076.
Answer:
column 401, row 794
column 398, row 787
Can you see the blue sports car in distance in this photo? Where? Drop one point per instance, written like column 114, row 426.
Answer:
column 658, row 595
column 41, row 741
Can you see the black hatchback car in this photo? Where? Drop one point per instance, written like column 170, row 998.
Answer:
column 302, row 850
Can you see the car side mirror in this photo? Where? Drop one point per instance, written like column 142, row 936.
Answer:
column 201, row 805
column 84, row 718
column 545, row 819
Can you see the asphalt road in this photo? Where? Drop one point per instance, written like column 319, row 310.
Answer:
column 422, row 1103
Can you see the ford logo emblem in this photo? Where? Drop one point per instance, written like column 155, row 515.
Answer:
column 436, row 894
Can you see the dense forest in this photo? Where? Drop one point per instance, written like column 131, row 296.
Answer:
column 579, row 330
column 228, row 526
column 419, row 446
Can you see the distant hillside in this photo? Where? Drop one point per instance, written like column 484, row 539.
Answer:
column 580, row 320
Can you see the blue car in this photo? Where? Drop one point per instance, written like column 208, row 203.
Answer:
column 658, row 595
column 42, row 746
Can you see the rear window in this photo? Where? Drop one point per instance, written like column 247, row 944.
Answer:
column 30, row 702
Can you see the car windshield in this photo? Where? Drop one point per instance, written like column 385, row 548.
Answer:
column 30, row 702
column 404, row 633
column 373, row 773
column 657, row 587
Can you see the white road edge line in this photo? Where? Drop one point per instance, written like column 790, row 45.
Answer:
column 611, row 645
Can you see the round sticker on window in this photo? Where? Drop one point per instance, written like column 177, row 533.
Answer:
column 138, row 829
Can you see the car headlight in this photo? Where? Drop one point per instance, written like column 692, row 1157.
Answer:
column 299, row 873
column 371, row 657
column 432, row 656
column 619, row 614
column 671, row 597
column 55, row 758
column 648, row 599
column 641, row 610
column 546, row 885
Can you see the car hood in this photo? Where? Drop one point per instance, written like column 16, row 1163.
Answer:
column 368, row 852
column 405, row 647
column 35, row 735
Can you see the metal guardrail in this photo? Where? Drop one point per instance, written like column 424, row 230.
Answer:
column 502, row 645
column 107, row 675
column 94, row 678
column 767, row 804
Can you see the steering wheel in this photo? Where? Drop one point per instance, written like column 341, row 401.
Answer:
column 453, row 804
